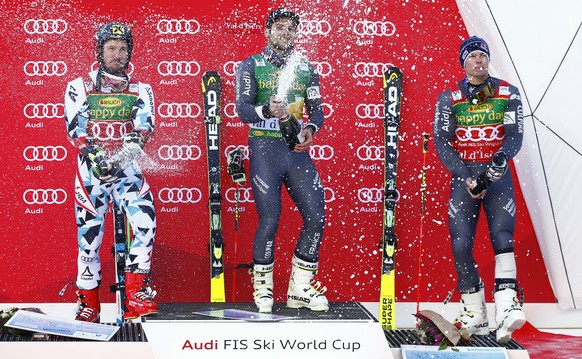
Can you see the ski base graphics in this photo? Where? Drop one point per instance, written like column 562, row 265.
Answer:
column 392, row 88
column 211, row 91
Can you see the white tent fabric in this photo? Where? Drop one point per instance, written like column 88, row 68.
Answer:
column 537, row 46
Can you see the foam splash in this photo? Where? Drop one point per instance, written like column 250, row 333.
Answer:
column 287, row 75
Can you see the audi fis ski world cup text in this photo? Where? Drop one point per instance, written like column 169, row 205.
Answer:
column 294, row 345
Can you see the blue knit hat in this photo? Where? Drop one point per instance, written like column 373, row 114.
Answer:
column 470, row 45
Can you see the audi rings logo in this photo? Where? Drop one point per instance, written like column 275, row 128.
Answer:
column 44, row 110
column 374, row 28
column 313, row 27
column 181, row 110
column 180, row 195
column 230, row 110
column 245, row 151
column 323, row 68
column 329, row 195
column 370, row 110
column 111, row 130
column 45, row 26
column 321, row 152
column 179, row 152
column 45, row 68
column 370, row 69
column 44, row 153
column 44, row 196
column 478, row 134
column 178, row 26
column 327, row 110
column 370, row 153
column 245, row 195
column 178, row 68
column 230, row 67
column 129, row 70
column 370, row 195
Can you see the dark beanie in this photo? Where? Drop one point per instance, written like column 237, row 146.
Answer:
column 470, row 45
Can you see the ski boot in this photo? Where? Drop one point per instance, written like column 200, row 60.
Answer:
column 303, row 290
column 473, row 316
column 88, row 305
column 263, row 287
column 509, row 314
column 139, row 297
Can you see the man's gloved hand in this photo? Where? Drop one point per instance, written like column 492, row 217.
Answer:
column 133, row 138
column 498, row 167
column 99, row 164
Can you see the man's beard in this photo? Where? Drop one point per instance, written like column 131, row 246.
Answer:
column 285, row 49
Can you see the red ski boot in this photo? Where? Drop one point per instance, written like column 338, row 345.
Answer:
column 139, row 297
column 88, row 305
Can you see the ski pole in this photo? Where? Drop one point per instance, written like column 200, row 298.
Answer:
column 422, row 200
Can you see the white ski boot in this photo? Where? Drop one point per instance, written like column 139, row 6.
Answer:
column 508, row 312
column 473, row 316
column 303, row 290
column 263, row 287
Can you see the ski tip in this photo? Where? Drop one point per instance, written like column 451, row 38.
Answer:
column 392, row 73
column 210, row 78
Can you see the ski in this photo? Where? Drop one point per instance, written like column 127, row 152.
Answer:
column 211, row 91
column 392, row 88
column 122, row 239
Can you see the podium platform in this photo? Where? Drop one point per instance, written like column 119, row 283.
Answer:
column 182, row 330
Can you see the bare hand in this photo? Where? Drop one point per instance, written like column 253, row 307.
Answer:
column 277, row 108
column 304, row 146
column 470, row 183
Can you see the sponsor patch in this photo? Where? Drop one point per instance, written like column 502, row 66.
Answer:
column 509, row 118
column 313, row 92
column 457, row 95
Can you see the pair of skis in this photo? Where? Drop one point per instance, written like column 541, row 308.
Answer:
column 211, row 92
column 392, row 88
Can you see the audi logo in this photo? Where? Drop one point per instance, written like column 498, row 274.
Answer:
column 323, row 68
column 45, row 26
column 45, row 68
column 477, row 134
column 180, row 195
column 245, row 151
column 230, row 110
column 313, row 27
column 321, row 152
column 178, row 68
column 370, row 110
column 374, row 28
column 370, row 69
column 44, row 110
column 179, row 152
column 102, row 130
column 175, row 26
column 44, row 196
column 129, row 70
column 370, row 195
column 183, row 110
column 44, row 153
column 245, row 195
column 230, row 67
column 329, row 194
column 370, row 153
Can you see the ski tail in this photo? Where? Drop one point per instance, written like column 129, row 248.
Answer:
column 392, row 88
column 120, row 250
column 211, row 92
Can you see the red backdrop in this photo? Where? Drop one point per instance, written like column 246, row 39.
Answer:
column 49, row 43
